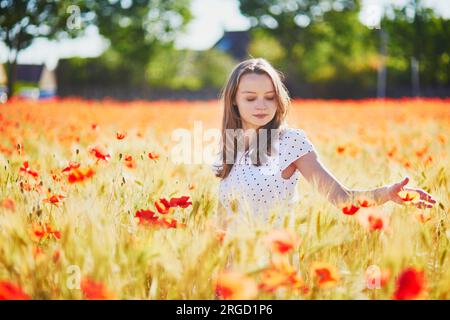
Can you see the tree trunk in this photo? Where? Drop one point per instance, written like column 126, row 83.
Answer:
column 14, row 45
column 415, row 77
column 415, row 72
column 12, row 67
column 381, row 80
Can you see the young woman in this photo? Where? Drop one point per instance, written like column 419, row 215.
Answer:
column 256, row 179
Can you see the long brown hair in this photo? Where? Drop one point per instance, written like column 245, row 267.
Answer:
column 231, row 117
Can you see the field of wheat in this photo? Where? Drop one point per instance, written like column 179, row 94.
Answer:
column 93, row 207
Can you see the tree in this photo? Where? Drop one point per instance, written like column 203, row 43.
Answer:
column 134, row 27
column 187, row 69
column 324, row 42
column 23, row 21
column 419, row 46
column 138, row 29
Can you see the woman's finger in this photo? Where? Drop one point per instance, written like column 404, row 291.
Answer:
column 423, row 205
column 404, row 182
column 423, row 195
column 399, row 185
column 426, row 196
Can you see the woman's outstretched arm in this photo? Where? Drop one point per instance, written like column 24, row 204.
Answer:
column 316, row 174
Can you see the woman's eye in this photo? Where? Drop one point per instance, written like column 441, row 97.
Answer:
column 268, row 98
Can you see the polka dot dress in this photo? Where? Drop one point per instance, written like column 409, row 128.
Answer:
column 256, row 189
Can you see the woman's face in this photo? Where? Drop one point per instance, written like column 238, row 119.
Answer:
column 256, row 100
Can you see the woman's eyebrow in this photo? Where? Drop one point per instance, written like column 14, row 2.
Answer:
column 255, row 92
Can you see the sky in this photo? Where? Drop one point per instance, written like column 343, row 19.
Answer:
column 211, row 19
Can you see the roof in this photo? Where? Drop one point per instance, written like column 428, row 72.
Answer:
column 29, row 72
column 33, row 73
column 234, row 43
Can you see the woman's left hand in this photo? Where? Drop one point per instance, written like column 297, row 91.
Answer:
column 426, row 200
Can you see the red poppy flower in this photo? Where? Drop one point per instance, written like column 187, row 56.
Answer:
column 281, row 241
column 220, row 234
column 340, row 149
column 146, row 217
column 100, row 154
column 27, row 170
column 409, row 196
column 376, row 223
column 429, row 160
column 365, row 203
column 120, row 135
column 47, row 230
column 55, row 233
column 94, row 290
column 410, row 285
column 423, row 216
column 407, row 164
column 233, row 285
column 38, row 252
column 129, row 162
column 420, row 152
column 8, row 204
column 281, row 274
column 169, row 222
column 272, row 279
column 9, row 291
column 56, row 256
column 350, row 209
column 153, row 156
column 374, row 219
column 25, row 186
column 81, row 174
column 326, row 275
column 55, row 176
column 163, row 206
column 181, row 202
column 5, row 150
column 54, row 199
column 72, row 165
column 391, row 152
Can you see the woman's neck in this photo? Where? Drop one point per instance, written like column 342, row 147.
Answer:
column 249, row 138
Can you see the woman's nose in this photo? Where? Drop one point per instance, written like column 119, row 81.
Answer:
column 262, row 104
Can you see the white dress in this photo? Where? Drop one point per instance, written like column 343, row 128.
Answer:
column 256, row 190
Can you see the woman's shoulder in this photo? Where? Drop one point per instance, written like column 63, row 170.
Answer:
column 293, row 145
column 295, row 137
column 291, row 132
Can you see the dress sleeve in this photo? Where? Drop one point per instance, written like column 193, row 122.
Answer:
column 293, row 145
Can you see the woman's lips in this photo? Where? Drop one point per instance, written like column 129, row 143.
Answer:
column 260, row 116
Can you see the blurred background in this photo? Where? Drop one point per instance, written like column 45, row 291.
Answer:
column 185, row 49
